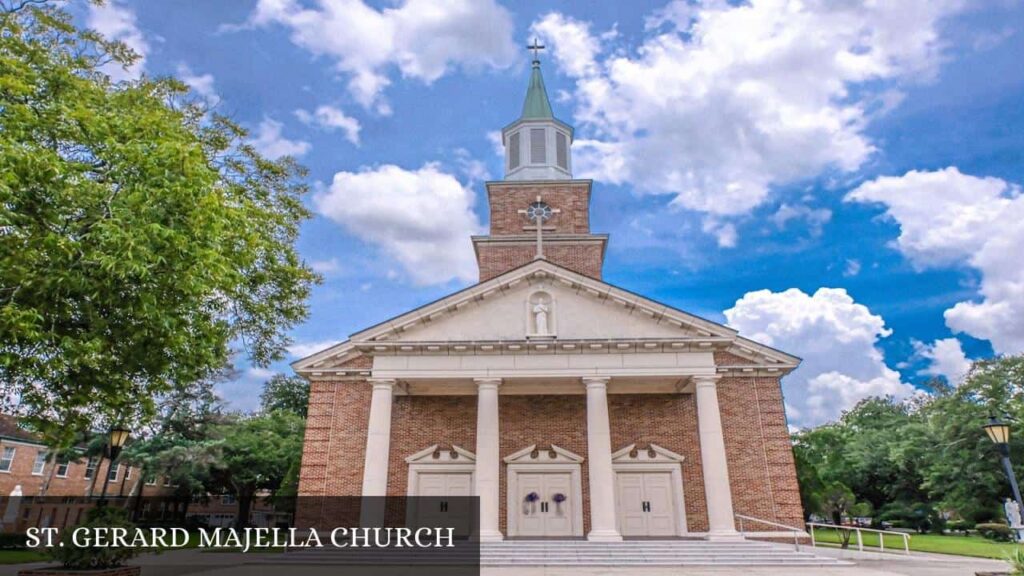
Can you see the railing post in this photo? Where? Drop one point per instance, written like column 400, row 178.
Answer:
column 881, row 541
column 906, row 544
column 814, row 543
column 860, row 541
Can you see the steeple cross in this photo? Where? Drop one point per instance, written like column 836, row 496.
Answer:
column 536, row 47
column 539, row 212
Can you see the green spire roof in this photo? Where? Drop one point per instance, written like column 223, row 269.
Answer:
column 536, row 105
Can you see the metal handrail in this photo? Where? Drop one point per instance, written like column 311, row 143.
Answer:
column 860, row 539
column 797, row 532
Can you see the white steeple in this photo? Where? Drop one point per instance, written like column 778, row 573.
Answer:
column 537, row 145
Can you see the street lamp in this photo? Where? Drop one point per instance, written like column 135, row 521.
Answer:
column 999, row 432
column 116, row 440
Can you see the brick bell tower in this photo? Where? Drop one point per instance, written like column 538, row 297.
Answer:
column 539, row 187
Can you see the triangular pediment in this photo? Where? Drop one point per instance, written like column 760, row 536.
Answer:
column 550, row 455
column 576, row 309
column 434, row 455
column 651, row 454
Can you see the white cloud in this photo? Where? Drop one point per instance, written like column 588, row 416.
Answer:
column 201, row 84
column 243, row 392
column 816, row 218
column 325, row 266
column 852, row 268
column 945, row 358
column 304, row 349
column 423, row 39
column 947, row 218
column 331, row 118
column 269, row 141
column 837, row 339
column 423, row 218
column 117, row 22
column 721, row 102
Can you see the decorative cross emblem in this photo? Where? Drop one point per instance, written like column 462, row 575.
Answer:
column 536, row 47
column 539, row 212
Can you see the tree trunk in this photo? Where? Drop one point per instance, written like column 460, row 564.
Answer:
column 49, row 477
column 244, row 506
column 95, row 475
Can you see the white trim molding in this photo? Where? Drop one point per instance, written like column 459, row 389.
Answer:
column 654, row 458
column 432, row 460
column 532, row 460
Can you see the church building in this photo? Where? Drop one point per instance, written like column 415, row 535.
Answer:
column 571, row 407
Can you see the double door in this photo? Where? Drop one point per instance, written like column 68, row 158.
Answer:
column 544, row 505
column 442, row 505
column 646, row 504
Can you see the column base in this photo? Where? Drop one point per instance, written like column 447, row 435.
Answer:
column 604, row 536
column 725, row 536
column 490, row 536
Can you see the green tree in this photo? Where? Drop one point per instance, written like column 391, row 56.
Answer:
column 256, row 454
column 290, row 393
column 140, row 235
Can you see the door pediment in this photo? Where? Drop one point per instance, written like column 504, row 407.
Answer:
column 432, row 455
column 553, row 455
column 652, row 454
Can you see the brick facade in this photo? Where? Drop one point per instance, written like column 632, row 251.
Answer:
column 761, row 468
column 512, row 241
column 496, row 258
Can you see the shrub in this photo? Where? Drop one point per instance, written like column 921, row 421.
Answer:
column 995, row 531
column 1016, row 560
column 960, row 526
column 95, row 557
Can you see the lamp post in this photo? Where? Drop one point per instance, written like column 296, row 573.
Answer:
column 116, row 440
column 999, row 432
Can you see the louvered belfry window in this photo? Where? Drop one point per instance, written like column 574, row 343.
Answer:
column 561, row 150
column 538, row 151
column 513, row 151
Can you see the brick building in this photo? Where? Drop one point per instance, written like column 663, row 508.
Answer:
column 572, row 408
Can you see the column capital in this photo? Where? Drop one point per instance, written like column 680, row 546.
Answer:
column 705, row 380
column 595, row 381
column 487, row 383
column 387, row 384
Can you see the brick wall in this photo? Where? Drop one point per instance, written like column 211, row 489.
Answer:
column 761, row 467
column 496, row 259
column 670, row 421
column 419, row 422
column 572, row 197
column 334, row 446
column 543, row 420
column 74, row 483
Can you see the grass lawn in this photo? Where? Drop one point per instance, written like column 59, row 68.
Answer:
column 21, row 556
column 941, row 544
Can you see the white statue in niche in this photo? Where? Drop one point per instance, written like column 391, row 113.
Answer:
column 540, row 317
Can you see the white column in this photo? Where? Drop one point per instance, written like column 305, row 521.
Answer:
column 717, row 490
column 599, row 460
column 488, row 467
column 378, row 439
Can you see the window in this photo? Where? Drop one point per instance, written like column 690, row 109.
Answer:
column 39, row 464
column 151, row 480
column 90, row 467
column 513, row 151
column 113, row 472
column 228, row 499
column 167, row 481
column 538, row 146
column 62, row 468
column 128, row 473
column 562, row 150
column 7, row 460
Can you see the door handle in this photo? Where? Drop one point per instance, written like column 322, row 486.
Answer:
column 645, row 506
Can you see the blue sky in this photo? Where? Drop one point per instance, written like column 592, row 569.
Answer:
column 840, row 184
